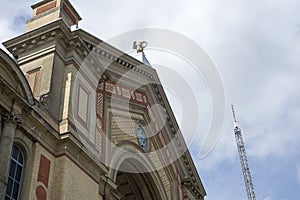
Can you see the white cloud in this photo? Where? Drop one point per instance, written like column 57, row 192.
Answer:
column 267, row 198
column 255, row 45
column 5, row 33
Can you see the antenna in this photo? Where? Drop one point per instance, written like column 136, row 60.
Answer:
column 234, row 117
column 243, row 159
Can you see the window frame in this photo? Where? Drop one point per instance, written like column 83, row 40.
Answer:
column 13, row 174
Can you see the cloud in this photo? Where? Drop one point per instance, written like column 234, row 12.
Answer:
column 5, row 33
column 12, row 18
column 255, row 45
column 268, row 198
column 253, row 56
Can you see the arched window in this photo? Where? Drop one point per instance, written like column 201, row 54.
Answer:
column 15, row 174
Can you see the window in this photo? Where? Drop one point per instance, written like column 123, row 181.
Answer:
column 15, row 174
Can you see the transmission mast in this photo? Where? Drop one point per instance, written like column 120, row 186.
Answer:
column 243, row 159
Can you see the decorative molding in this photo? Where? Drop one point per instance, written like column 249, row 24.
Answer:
column 175, row 130
column 118, row 60
column 58, row 30
column 44, row 99
column 120, row 91
column 12, row 118
column 190, row 186
column 42, row 35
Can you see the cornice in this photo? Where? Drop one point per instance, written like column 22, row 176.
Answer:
column 193, row 179
column 123, row 60
column 192, row 188
column 39, row 36
column 58, row 30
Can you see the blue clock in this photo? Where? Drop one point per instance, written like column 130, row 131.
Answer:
column 141, row 137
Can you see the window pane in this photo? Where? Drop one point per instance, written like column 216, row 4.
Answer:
column 12, row 169
column 20, row 158
column 18, row 173
column 9, row 186
column 15, row 152
column 16, row 190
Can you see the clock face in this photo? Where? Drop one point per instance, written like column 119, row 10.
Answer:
column 141, row 137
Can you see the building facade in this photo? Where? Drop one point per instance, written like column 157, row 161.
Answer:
column 78, row 121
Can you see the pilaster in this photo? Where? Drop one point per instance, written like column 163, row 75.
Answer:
column 10, row 123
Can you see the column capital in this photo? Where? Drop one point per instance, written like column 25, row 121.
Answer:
column 12, row 118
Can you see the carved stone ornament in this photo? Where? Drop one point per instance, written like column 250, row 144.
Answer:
column 44, row 99
column 12, row 118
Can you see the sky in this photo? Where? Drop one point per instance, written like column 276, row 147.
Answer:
column 254, row 45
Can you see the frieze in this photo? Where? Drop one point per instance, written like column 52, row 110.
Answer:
column 111, row 88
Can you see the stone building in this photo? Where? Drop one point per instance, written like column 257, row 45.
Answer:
column 77, row 119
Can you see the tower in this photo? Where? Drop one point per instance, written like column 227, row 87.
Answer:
column 243, row 159
column 45, row 53
column 48, row 11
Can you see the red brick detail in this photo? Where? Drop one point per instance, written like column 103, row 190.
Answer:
column 100, row 137
column 35, row 74
column 41, row 193
column 135, row 96
column 46, row 7
column 70, row 14
column 44, row 170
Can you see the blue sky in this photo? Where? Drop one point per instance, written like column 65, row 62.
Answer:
column 255, row 45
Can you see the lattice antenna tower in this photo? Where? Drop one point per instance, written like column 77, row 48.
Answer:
column 243, row 159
